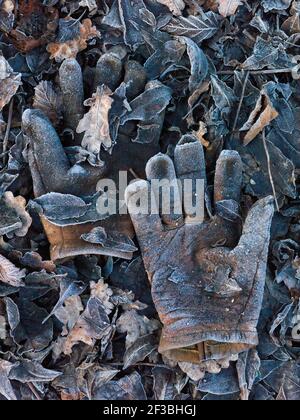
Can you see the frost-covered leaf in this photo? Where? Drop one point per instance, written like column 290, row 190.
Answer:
column 48, row 99
column 142, row 348
column 95, row 124
column 104, row 293
column 26, row 323
column 275, row 4
column 92, row 325
column 90, row 4
column 6, row 388
column 199, row 63
column 10, row 274
column 149, row 104
column 72, row 38
column 111, row 240
column 175, row 6
column 15, row 216
column 9, row 82
column 135, row 325
column 199, row 28
column 229, row 7
column 128, row 388
column 57, row 206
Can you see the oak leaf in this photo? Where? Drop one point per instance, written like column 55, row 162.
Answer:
column 95, row 124
column 71, row 47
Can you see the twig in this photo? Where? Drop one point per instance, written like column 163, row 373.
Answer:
column 34, row 391
column 274, row 71
column 241, row 102
column 134, row 174
column 269, row 169
column 137, row 364
column 6, row 137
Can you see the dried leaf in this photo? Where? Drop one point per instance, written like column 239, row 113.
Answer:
column 69, row 48
column 198, row 28
column 103, row 292
column 92, row 325
column 142, row 348
column 229, row 7
column 112, row 240
column 10, row 274
column 26, row 323
column 49, row 100
column 135, row 326
column 91, row 4
column 6, row 388
column 259, row 119
column 7, row 16
column 9, row 82
column 202, row 131
column 275, row 4
column 193, row 371
column 175, row 6
column 128, row 388
column 2, row 328
column 18, row 205
column 95, row 124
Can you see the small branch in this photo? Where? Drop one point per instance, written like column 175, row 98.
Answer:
column 34, row 391
column 241, row 102
column 137, row 365
column 256, row 72
column 269, row 169
column 134, row 174
column 6, row 137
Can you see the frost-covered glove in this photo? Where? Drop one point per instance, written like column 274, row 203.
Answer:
column 207, row 279
column 65, row 189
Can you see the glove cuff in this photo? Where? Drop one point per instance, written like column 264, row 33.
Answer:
column 212, row 344
column 66, row 242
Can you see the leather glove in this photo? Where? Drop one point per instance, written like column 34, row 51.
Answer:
column 52, row 171
column 207, row 278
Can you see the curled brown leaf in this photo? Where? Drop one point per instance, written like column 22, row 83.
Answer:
column 10, row 274
column 260, row 117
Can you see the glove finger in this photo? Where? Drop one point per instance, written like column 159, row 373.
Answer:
column 51, row 161
column 251, row 254
column 109, row 71
column 161, row 172
column 38, row 185
column 228, row 176
column 190, row 168
column 143, row 210
column 71, row 83
column 135, row 79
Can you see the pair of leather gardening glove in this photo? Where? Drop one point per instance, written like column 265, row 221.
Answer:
column 207, row 278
